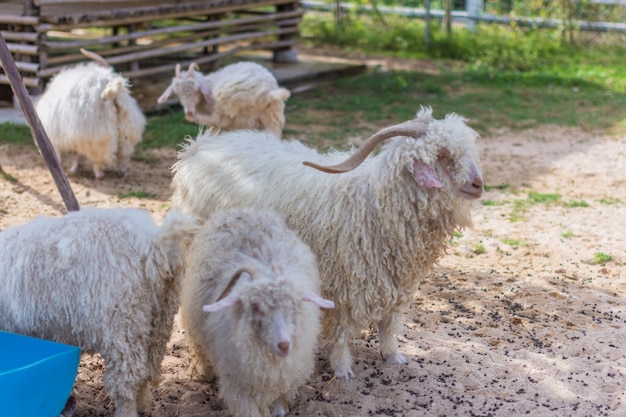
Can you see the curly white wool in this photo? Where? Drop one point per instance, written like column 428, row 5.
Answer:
column 244, row 95
column 376, row 230
column 106, row 280
column 260, row 336
column 88, row 109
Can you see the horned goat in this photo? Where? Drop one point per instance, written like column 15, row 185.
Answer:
column 88, row 110
column 377, row 229
column 244, row 95
column 106, row 280
column 258, row 337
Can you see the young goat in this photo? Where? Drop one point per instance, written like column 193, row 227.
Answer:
column 244, row 95
column 103, row 279
column 87, row 109
column 250, row 310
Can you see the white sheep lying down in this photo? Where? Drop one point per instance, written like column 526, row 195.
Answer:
column 103, row 279
column 376, row 227
column 88, row 110
column 244, row 95
column 250, row 308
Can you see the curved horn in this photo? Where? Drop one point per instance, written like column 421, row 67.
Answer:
column 177, row 70
column 247, row 269
column 193, row 66
column 410, row 128
column 94, row 56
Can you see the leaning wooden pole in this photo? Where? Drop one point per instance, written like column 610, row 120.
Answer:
column 36, row 129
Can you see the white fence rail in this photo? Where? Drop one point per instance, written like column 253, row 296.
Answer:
column 474, row 15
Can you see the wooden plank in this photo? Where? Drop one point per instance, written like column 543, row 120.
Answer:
column 150, row 14
column 17, row 48
column 165, row 51
column 28, row 81
column 19, row 20
column 27, row 66
column 74, row 2
column 169, row 68
column 52, row 45
column 53, row 62
column 153, row 53
column 20, row 36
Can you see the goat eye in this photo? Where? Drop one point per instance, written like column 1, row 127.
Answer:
column 257, row 310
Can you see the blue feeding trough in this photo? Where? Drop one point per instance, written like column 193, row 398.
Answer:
column 36, row 376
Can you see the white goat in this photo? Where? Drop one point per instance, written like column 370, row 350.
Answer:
column 106, row 280
column 244, row 95
column 260, row 335
column 376, row 230
column 87, row 109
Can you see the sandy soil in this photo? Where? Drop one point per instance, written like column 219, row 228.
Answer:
column 517, row 319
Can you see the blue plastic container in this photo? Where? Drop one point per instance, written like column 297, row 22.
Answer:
column 36, row 376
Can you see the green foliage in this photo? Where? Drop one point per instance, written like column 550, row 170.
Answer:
column 167, row 130
column 496, row 187
column 535, row 197
column 135, row 194
column 479, row 248
column 609, row 201
column 15, row 134
column 567, row 234
column 514, row 243
column 600, row 258
column 576, row 203
column 491, row 203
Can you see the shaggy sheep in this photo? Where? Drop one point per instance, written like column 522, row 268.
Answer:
column 260, row 335
column 376, row 230
column 244, row 95
column 106, row 280
column 87, row 109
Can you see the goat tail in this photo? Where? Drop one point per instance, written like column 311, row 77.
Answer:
column 280, row 94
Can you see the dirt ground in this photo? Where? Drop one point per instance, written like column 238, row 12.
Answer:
column 518, row 318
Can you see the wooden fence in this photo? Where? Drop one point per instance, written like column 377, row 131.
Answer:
column 142, row 38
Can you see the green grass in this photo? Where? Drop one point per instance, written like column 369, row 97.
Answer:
column 492, row 203
column 576, row 203
column 496, row 77
column 567, row 234
column 167, row 130
column 479, row 249
column 520, row 207
column 600, row 258
column 135, row 194
column 496, row 187
column 514, row 243
column 609, row 201
column 15, row 134
column 548, row 198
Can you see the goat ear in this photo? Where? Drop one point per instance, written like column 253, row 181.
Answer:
column 166, row 94
column 319, row 301
column 206, row 92
column 425, row 175
column 221, row 304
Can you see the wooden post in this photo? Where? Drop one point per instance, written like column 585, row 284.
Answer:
column 36, row 129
